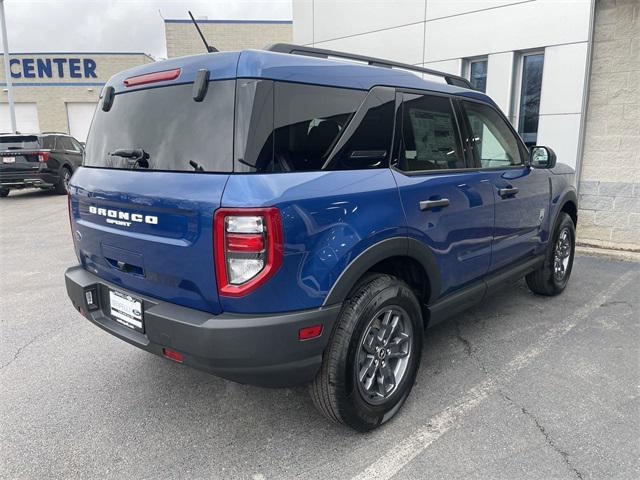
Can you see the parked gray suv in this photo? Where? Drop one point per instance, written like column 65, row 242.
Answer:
column 43, row 160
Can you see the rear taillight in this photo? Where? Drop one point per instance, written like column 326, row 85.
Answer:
column 43, row 157
column 247, row 247
column 70, row 214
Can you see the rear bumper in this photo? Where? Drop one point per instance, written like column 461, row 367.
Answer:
column 256, row 349
column 27, row 179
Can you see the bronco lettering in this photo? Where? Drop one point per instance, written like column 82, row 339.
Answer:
column 126, row 216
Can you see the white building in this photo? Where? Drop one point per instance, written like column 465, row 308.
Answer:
column 566, row 73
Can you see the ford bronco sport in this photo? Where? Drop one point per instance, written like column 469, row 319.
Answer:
column 287, row 216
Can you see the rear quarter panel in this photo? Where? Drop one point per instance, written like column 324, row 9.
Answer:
column 328, row 219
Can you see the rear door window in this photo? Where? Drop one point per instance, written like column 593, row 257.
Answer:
column 430, row 138
column 169, row 126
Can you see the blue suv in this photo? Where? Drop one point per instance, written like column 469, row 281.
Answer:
column 297, row 215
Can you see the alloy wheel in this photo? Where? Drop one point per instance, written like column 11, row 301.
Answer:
column 66, row 176
column 384, row 353
column 561, row 255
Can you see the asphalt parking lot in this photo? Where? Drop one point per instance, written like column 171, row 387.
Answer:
column 519, row 387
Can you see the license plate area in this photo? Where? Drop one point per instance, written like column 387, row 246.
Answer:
column 8, row 159
column 126, row 310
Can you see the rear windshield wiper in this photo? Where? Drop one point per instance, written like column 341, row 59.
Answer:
column 139, row 158
column 196, row 166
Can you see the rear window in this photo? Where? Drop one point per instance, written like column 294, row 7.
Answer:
column 169, row 126
column 19, row 142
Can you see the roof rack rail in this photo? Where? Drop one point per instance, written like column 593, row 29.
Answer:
column 454, row 80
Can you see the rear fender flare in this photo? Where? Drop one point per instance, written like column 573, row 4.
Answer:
column 391, row 247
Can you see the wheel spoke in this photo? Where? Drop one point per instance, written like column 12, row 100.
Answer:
column 395, row 351
column 382, row 390
column 369, row 344
column 394, row 325
column 400, row 339
column 384, row 327
column 368, row 369
column 386, row 379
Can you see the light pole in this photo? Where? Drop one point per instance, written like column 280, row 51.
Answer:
column 7, row 71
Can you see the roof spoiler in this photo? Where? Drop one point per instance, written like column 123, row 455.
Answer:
column 454, row 80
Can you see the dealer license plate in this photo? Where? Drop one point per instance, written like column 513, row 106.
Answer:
column 126, row 310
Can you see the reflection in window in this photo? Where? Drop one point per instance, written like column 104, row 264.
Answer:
column 530, row 97
column 493, row 141
column 308, row 120
column 429, row 134
column 478, row 75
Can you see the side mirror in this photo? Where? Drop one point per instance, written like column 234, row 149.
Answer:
column 542, row 157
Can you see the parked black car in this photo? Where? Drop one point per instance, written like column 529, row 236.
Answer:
column 43, row 160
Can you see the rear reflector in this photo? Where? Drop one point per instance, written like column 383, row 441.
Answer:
column 152, row 77
column 307, row 333
column 172, row 355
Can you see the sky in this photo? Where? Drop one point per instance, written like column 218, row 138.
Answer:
column 118, row 25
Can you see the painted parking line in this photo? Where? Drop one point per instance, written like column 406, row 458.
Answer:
column 400, row 455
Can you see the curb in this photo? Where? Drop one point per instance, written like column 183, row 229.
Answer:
column 606, row 252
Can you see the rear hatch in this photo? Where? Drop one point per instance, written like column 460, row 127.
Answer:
column 155, row 168
column 20, row 156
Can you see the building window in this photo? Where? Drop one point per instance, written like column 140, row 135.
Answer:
column 478, row 74
column 530, row 97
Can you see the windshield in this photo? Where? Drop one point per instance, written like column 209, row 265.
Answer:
column 21, row 142
column 169, row 126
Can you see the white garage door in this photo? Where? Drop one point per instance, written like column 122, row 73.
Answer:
column 26, row 118
column 80, row 115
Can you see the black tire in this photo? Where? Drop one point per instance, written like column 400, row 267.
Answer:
column 336, row 391
column 546, row 280
column 4, row 192
column 62, row 185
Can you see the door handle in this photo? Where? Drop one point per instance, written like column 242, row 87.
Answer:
column 507, row 192
column 431, row 204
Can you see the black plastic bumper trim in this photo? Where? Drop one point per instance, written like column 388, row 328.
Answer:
column 256, row 349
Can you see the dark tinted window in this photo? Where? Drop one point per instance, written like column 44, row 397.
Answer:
column 254, row 126
column 493, row 141
column 366, row 141
column 76, row 144
column 49, row 142
column 430, row 139
column 308, row 121
column 64, row 143
column 530, row 97
column 17, row 142
column 169, row 125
